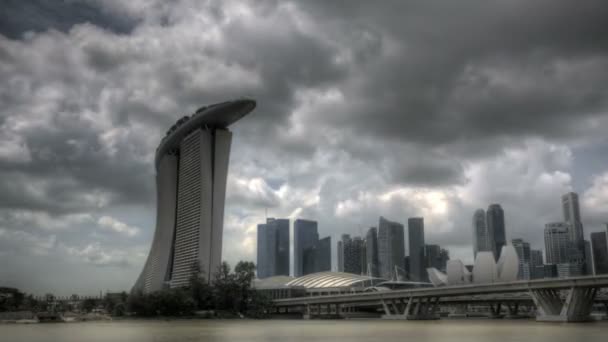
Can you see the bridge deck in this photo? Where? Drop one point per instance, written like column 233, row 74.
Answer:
column 450, row 291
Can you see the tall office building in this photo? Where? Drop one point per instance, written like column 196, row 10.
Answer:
column 588, row 258
column 363, row 257
column 191, row 170
column 305, row 235
column 536, row 257
column 557, row 243
column 495, row 220
column 444, row 256
column 343, row 249
column 415, row 232
column 354, row 253
column 340, row 252
column 273, row 248
column 371, row 249
column 391, row 247
column 524, row 257
column 317, row 258
column 267, row 240
column 537, row 267
column 436, row 257
column 345, row 238
column 482, row 240
column 323, row 255
column 282, row 248
column 599, row 250
column 572, row 216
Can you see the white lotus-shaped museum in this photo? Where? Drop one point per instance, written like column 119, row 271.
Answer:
column 485, row 270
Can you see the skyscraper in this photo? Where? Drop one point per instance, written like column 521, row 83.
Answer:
column 353, row 254
column 345, row 238
column 318, row 257
column 536, row 257
column 282, row 248
column 482, row 240
column 558, row 247
column 340, row 251
column 323, row 255
column 588, row 258
column 572, row 216
column 415, row 231
column 557, row 243
column 436, row 257
column 522, row 248
column 391, row 247
column 495, row 220
column 371, row 249
column 191, row 170
column 305, row 235
column 537, row 268
column 267, row 240
column 599, row 250
column 273, row 248
column 444, row 256
column 363, row 257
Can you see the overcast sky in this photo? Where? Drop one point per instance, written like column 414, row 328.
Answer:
column 365, row 108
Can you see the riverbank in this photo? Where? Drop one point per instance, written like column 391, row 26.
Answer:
column 355, row 330
column 29, row 317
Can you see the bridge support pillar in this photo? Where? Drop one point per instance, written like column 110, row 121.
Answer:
column 424, row 309
column 460, row 311
column 307, row 313
column 495, row 310
column 513, row 310
column 575, row 308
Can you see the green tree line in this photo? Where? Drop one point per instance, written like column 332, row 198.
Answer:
column 228, row 293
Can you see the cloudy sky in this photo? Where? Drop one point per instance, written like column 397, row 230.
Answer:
column 394, row 108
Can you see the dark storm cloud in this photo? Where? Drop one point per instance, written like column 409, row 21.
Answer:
column 474, row 71
column 404, row 108
column 18, row 17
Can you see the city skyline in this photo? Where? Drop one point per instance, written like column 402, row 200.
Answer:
column 363, row 111
column 360, row 254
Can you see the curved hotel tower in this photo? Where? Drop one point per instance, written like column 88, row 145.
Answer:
column 191, row 169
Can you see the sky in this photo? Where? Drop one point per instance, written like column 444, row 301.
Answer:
column 393, row 108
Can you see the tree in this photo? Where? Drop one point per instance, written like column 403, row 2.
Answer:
column 142, row 305
column 89, row 304
column 258, row 306
column 11, row 299
column 225, row 288
column 201, row 292
column 228, row 291
column 119, row 310
column 244, row 275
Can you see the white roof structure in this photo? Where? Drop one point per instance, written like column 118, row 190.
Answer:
column 333, row 280
column 272, row 282
column 485, row 271
column 457, row 273
column 508, row 264
column 437, row 277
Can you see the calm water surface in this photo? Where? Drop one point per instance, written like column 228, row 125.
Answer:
column 300, row 330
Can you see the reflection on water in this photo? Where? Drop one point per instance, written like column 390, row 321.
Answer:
column 300, row 330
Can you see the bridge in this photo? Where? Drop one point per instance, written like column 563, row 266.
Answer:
column 560, row 300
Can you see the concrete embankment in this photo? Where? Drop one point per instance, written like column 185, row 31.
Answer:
column 18, row 317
